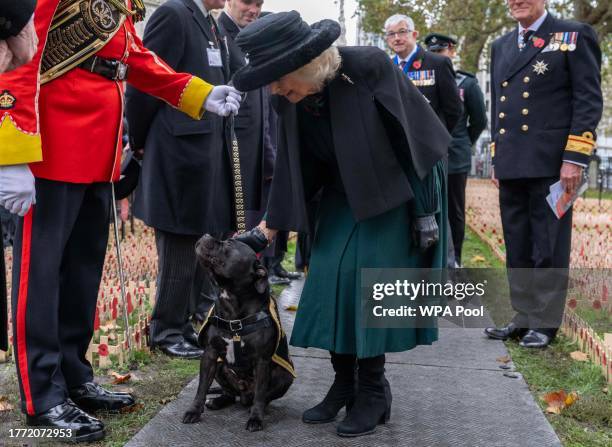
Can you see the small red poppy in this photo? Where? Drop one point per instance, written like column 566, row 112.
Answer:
column 539, row 43
column 597, row 304
column 103, row 350
column 572, row 303
column 417, row 65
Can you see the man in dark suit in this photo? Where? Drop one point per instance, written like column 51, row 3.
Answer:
column 546, row 104
column 433, row 75
column 466, row 133
column 185, row 189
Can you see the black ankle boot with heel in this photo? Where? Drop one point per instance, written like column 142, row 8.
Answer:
column 341, row 393
column 373, row 401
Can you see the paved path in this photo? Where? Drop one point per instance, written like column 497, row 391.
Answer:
column 450, row 394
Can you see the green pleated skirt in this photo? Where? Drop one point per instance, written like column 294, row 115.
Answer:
column 329, row 313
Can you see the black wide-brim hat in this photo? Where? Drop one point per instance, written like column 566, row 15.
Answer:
column 279, row 44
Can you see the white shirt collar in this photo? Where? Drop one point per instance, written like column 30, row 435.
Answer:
column 200, row 5
column 399, row 60
column 534, row 26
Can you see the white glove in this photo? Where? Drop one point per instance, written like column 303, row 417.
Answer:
column 17, row 190
column 223, row 100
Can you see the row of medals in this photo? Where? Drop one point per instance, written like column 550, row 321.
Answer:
column 563, row 47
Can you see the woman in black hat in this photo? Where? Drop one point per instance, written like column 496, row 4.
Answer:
column 355, row 130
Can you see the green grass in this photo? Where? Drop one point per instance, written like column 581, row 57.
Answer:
column 474, row 249
column 587, row 423
column 594, row 194
column 600, row 320
column 160, row 380
column 157, row 380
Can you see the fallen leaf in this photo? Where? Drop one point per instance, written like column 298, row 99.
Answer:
column 504, row 359
column 166, row 400
column 134, row 408
column 571, row 398
column 579, row 356
column 558, row 400
column 291, row 308
column 119, row 378
column 4, row 404
column 478, row 258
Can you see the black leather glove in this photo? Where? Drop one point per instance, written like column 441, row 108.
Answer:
column 425, row 232
column 255, row 238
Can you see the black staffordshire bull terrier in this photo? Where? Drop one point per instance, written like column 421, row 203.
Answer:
column 245, row 347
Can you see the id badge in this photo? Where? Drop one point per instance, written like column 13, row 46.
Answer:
column 214, row 57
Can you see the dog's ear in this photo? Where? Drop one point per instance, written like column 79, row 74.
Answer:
column 261, row 277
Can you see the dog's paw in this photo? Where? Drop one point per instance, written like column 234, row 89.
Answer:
column 254, row 424
column 192, row 416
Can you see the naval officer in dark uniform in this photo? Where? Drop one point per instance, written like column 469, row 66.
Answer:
column 433, row 75
column 546, row 104
column 471, row 124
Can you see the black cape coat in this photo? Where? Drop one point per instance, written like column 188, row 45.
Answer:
column 386, row 137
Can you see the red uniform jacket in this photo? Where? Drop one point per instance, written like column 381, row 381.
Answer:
column 69, row 129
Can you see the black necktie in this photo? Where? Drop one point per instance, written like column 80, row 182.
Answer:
column 403, row 65
column 526, row 38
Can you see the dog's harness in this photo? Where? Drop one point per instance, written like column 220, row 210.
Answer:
column 236, row 329
column 247, row 325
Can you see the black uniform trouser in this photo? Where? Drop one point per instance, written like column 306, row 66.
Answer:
column 58, row 259
column 456, row 211
column 537, row 253
column 182, row 288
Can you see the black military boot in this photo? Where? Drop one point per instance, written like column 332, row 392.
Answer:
column 341, row 393
column 373, row 401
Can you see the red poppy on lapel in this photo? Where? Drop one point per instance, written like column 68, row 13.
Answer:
column 417, row 64
column 538, row 43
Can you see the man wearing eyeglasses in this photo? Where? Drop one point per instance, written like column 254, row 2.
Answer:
column 432, row 74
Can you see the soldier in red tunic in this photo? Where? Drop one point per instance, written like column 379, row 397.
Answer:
column 60, row 127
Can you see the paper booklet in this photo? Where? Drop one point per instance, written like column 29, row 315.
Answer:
column 560, row 201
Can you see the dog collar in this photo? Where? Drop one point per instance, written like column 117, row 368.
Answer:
column 244, row 326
